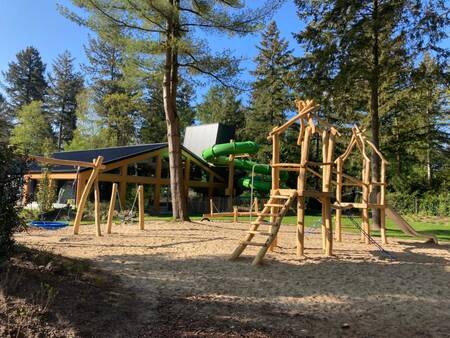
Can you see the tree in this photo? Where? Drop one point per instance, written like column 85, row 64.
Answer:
column 90, row 132
column 12, row 170
column 4, row 119
column 167, row 29
column 221, row 104
column 271, row 95
column 153, row 125
column 32, row 134
column 25, row 78
column 65, row 85
column 353, row 49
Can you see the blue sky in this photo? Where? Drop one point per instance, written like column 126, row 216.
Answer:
column 38, row 23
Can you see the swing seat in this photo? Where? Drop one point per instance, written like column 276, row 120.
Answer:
column 50, row 225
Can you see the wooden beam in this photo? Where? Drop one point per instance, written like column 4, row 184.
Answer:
column 98, row 226
column 85, row 194
column 112, row 205
column 50, row 160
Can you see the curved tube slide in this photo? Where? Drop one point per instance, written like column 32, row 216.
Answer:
column 218, row 155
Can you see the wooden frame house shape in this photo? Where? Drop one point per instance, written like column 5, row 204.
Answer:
column 367, row 185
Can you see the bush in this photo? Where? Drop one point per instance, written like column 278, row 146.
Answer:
column 428, row 204
column 12, row 169
column 46, row 192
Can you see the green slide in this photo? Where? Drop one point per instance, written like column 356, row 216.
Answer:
column 218, row 155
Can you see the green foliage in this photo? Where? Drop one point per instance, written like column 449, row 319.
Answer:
column 271, row 96
column 90, row 133
column 25, row 78
column 32, row 134
column 221, row 104
column 5, row 119
column 428, row 204
column 46, row 192
column 12, row 169
column 65, row 85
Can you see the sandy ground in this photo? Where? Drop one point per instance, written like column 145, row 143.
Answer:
column 183, row 268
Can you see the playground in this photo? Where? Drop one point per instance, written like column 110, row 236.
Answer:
column 182, row 272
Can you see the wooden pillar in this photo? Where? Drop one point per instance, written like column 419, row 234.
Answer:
column 235, row 214
column 327, row 151
column 98, row 225
column 211, row 207
column 383, row 203
column 275, row 179
column 141, row 206
column 157, row 196
column 339, row 170
column 301, row 181
column 112, row 205
column 365, row 199
column 85, row 194
column 123, row 186
column 210, row 186
column 230, row 188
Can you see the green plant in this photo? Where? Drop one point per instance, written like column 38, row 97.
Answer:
column 12, row 170
column 46, row 192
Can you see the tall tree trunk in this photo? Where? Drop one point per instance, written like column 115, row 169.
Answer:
column 375, row 123
column 428, row 159
column 178, row 195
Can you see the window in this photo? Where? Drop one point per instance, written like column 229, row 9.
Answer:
column 145, row 168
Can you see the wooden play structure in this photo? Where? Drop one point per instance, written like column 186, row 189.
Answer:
column 331, row 173
column 282, row 199
column 92, row 181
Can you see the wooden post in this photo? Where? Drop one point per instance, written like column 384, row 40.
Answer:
column 211, row 207
column 230, row 188
column 112, row 205
column 235, row 213
column 85, row 194
column 256, row 205
column 141, row 206
column 275, row 180
column 98, row 225
column 365, row 199
column 339, row 169
column 301, row 182
column 326, row 181
column 81, row 184
column 383, row 203
column 123, row 186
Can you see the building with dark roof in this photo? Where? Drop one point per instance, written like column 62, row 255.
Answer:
column 130, row 166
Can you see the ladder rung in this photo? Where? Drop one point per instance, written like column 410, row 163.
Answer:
column 253, row 243
column 275, row 205
column 281, row 196
column 267, row 214
column 265, row 223
column 255, row 232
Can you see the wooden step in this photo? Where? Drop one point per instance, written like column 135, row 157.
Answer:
column 256, row 232
column 274, row 205
column 281, row 197
column 253, row 243
column 274, row 224
column 262, row 214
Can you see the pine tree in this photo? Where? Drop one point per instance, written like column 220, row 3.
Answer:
column 221, row 104
column 65, row 85
column 33, row 133
column 25, row 78
column 115, row 103
column 168, row 29
column 352, row 51
column 90, row 132
column 271, row 96
column 5, row 119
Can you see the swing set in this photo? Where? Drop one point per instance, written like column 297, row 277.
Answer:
column 93, row 182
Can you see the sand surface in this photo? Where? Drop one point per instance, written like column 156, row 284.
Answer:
column 356, row 293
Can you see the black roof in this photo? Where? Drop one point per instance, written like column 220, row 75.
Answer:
column 110, row 155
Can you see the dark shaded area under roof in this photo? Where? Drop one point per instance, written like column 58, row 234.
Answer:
column 110, row 155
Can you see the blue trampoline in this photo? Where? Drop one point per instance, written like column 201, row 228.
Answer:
column 51, row 225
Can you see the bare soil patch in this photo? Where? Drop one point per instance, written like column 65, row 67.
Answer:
column 184, row 285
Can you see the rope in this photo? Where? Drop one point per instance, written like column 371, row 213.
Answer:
column 370, row 238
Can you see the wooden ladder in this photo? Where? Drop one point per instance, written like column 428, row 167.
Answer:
column 280, row 203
